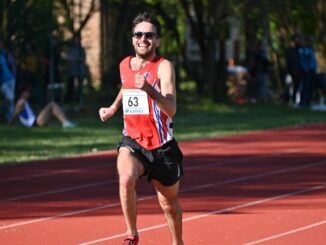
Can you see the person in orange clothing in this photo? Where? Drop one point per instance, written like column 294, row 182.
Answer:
column 148, row 147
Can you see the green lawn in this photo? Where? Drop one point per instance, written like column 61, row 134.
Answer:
column 19, row 144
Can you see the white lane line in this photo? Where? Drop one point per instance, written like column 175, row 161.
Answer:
column 245, row 159
column 69, row 214
column 153, row 196
column 255, row 176
column 102, row 183
column 233, row 146
column 231, row 161
column 288, row 232
column 49, row 173
column 37, row 175
column 56, row 191
column 257, row 202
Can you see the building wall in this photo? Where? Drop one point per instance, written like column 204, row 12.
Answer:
column 91, row 43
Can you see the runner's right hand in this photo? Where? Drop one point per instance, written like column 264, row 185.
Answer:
column 105, row 113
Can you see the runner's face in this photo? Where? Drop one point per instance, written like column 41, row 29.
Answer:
column 145, row 47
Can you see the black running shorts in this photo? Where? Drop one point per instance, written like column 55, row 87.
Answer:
column 163, row 164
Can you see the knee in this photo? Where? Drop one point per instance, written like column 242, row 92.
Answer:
column 172, row 208
column 126, row 183
column 51, row 104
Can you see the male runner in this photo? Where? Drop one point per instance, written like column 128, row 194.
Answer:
column 148, row 148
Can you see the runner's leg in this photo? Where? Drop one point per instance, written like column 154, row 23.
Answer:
column 168, row 198
column 129, row 170
column 50, row 109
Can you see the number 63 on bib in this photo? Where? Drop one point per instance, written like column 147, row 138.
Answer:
column 135, row 102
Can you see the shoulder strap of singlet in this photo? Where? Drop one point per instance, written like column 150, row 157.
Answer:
column 125, row 62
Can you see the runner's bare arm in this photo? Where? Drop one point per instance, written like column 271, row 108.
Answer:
column 107, row 112
column 166, row 100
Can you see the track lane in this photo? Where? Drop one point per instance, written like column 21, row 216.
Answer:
column 244, row 154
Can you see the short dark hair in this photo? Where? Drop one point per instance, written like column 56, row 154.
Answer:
column 24, row 87
column 144, row 16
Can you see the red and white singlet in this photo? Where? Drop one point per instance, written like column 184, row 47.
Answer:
column 143, row 120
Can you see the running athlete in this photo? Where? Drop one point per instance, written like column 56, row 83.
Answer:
column 148, row 148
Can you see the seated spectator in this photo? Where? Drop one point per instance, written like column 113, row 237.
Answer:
column 25, row 114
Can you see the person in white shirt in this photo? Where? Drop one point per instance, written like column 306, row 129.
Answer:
column 28, row 118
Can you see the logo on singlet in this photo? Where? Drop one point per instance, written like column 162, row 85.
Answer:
column 147, row 74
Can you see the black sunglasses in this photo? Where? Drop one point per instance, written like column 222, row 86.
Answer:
column 147, row 35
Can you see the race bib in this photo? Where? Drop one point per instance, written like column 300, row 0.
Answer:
column 135, row 102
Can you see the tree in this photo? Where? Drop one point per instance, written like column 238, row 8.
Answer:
column 38, row 20
column 75, row 13
column 208, row 23
column 116, row 35
column 115, row 40
column 276, row 22
column 320, row 30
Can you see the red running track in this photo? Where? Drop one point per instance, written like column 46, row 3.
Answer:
column 266, row 187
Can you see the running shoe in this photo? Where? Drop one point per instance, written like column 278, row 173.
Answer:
column 131, row 240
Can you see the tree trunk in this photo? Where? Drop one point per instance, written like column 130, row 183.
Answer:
column 321, row 36
column 220, row 86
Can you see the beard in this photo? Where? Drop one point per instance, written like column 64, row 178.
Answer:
column 148, row 53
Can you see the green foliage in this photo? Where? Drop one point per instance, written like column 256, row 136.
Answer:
column 28, row 20
column 196, row 119
column 36, row 20
column 21, row 144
